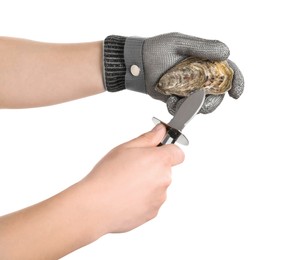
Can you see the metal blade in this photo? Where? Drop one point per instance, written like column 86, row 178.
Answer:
column 188, row 109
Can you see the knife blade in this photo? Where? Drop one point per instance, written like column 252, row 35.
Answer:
column 184, row 114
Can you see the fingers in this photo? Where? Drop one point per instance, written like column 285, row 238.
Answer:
column 172, row 104
column 201, row 48
column 149, row 139
column 211, row 103
column 173, row 154
column 237, row 82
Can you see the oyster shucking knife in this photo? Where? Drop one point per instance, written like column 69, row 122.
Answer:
column 190, row 107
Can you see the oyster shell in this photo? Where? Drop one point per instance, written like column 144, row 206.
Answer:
column 192, row 74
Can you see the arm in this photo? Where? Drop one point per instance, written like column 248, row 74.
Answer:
column 50, row 229
column 39, row 74
column 123, row 191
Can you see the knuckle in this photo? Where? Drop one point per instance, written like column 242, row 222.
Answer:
column 155, row 206
column 164, row 198
column 177, row 154
column 180, row 154
column 165, row 158
column 147, row 137
column 152, row 214
column 155, row 213
column 167, row 180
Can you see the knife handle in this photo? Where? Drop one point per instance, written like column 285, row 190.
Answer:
column 173, row 135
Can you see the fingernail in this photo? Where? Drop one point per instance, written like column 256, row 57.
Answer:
column 158, row 127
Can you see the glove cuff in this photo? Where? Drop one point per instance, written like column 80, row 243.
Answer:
column 114, row 64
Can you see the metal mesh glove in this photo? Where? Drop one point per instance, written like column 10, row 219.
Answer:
column 138, row 64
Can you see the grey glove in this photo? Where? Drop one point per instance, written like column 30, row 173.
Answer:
column 138, row 64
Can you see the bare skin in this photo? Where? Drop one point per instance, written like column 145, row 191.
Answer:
column 39, row 74
column 123, row 191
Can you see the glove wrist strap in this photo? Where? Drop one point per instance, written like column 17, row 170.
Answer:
column 133, row 56
column 123, row 64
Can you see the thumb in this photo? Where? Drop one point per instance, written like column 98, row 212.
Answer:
column 149, row 139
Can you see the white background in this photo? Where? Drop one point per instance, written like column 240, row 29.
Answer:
column 227, row 201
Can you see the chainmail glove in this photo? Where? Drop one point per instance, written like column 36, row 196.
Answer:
column 137, row 64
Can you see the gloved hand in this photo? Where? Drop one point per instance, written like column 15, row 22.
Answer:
column 138, row 64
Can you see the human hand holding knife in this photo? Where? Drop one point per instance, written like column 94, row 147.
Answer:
column 190, row 107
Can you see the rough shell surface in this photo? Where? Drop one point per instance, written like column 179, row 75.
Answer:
column 192, row 74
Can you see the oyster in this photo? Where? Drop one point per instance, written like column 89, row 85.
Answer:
column 192, row 74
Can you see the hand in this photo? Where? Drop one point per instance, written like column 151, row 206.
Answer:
column 152, row 57
column 124, row 190
column 212, row 101
column 129, row 184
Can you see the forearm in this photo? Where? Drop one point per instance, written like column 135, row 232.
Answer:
column 51, row 229
column 39, row 74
